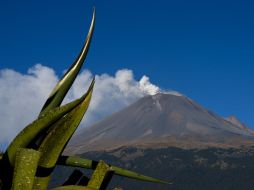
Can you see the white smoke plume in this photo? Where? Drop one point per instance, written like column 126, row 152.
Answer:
column 23, row 95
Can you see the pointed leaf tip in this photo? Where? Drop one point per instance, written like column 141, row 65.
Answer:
column 57, row 95
column 91, row 164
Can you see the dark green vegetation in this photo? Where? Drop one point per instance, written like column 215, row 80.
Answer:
column 193, row 169
column 31, row 157
column 209, row 169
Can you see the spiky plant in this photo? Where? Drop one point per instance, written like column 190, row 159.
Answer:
column 31, row 157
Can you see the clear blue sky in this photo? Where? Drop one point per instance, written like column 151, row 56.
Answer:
column 203, row 49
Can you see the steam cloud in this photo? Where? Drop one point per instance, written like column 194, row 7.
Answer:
column 22, row 95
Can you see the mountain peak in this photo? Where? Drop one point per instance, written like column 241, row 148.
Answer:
column 163, row 119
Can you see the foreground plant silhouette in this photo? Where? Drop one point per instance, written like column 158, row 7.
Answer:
column 31, row 157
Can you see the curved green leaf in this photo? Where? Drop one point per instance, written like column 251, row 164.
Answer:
column 25, row 168
column 57, row 95
column 101, row 176
column 54, row 143
column 38, row 126
column 59, row 135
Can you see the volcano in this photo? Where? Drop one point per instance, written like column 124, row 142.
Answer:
column 162, row 120
column 170, row 137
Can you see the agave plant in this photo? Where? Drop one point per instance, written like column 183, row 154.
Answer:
column 31, row 157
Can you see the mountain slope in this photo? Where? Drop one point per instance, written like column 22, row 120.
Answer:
column 161, row 120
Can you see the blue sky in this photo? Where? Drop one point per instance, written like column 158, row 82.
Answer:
column 203, row 49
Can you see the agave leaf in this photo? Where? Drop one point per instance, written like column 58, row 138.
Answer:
column 57, row 95
column 54, row 143
column 38, row 126
column 91, row 164
column 101, row 176
column 25, row 168
column 61, row 132
column 134, row 175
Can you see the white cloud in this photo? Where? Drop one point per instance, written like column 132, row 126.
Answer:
column 23, row 95
column 21, row 98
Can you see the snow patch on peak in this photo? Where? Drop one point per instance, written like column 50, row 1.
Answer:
column 171, row 92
